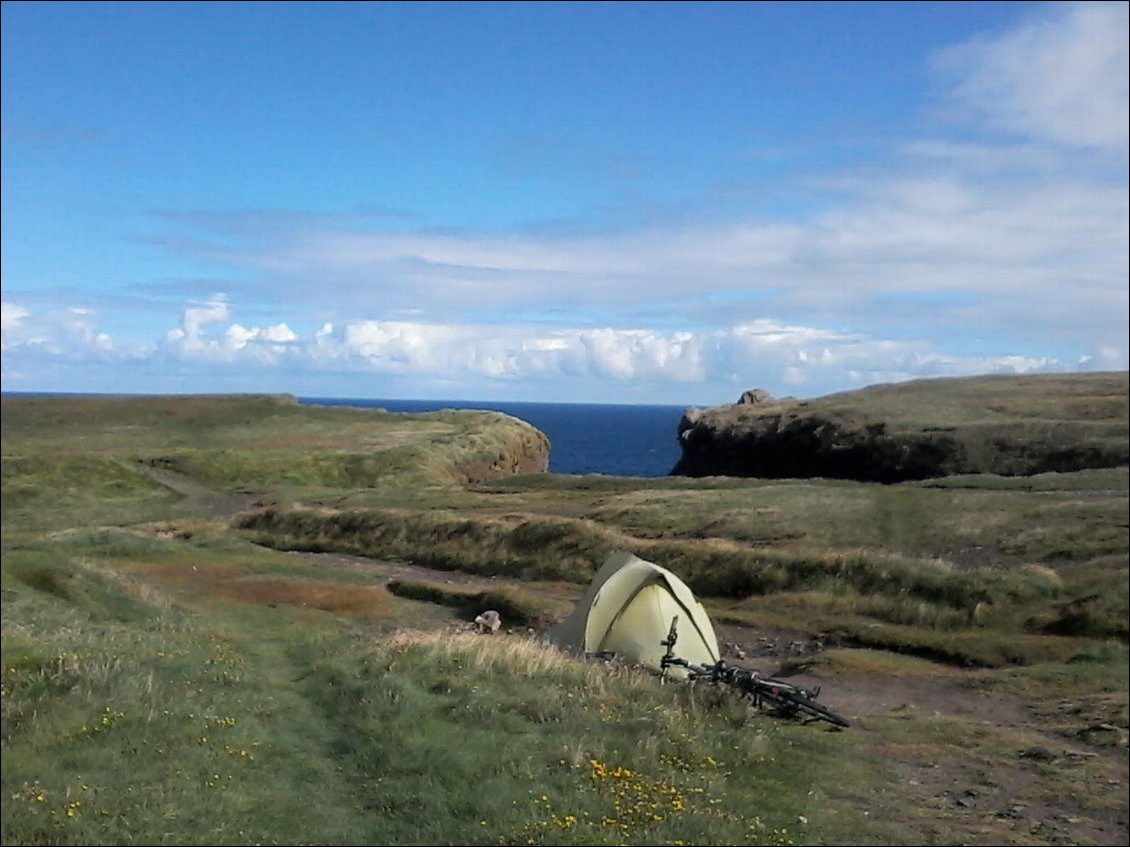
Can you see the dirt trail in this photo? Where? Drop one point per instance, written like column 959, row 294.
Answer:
column 978, row 795
column 214, row 503
column 973, row 790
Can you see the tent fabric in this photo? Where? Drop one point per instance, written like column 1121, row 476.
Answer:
column 627, row 610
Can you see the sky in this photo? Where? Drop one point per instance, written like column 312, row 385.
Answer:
column 663, row 202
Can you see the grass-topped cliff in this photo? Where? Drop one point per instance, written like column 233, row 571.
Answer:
column 1008, row 425
column 239, row 620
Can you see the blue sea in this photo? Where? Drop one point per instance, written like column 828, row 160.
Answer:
column 584, row 438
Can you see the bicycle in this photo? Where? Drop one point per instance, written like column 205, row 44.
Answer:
column 768, row 694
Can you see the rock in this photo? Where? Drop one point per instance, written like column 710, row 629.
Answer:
column 488, row 622
column 689, row 419
column 1009, row 426
column 755, row 397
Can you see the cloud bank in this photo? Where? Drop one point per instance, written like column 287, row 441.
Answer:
column 669, row 367
column 1000, row 251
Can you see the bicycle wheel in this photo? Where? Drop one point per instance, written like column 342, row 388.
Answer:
column 818, row 711
column 778, row 704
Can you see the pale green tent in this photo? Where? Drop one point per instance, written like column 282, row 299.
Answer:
column 627, row 610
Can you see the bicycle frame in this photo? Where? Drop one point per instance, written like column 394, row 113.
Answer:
column 766, row 693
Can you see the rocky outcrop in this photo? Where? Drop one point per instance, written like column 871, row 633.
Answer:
column 929, row 428
column 799, row 442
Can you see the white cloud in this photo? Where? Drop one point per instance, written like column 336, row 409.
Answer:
column 1061, row 78
column 926, row 227
column 192, row 340
column 951, row 258
column 238, row 337
column 13, row 325
column 195, row 319
column 678, row 364
column 67, row 332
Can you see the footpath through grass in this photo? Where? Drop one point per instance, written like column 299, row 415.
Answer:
column 136, row 716
column 171, row 676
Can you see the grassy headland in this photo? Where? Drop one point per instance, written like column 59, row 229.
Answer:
column 172, row 674
column 928, row 428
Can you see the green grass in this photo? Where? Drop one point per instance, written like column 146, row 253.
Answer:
column 180, row 718
column 1013, row 426
column 171, row 675
column 517, row 607
column 869, row 589
column 1096, row 399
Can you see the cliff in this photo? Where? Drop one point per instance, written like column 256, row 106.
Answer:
column 228, row 441
column 1008, row 425
column 496, row 445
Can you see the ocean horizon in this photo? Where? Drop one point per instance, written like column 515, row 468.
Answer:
column 640, row 440
column 584, row 438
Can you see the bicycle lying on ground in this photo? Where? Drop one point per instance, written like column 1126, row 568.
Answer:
column 768, row 694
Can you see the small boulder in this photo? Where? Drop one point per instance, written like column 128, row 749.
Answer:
column 755, row 397
column 488, row 622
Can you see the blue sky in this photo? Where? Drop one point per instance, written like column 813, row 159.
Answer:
column 575, row 202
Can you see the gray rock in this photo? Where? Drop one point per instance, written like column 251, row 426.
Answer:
column 488, row 622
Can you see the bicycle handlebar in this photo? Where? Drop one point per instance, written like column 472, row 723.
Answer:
column 777, row 694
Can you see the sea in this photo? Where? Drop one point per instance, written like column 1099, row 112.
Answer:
column 584, row 438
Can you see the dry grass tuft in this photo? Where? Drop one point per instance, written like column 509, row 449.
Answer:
column 518, row 655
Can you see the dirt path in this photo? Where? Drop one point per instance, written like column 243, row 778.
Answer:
column 387, row 571
column 976, row 790
column 215, row 504
column 1000, row 781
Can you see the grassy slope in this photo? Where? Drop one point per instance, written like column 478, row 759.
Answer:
column 165, row 680
column 1097, row 398
column 922, row 429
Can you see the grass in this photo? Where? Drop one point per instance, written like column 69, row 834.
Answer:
column 175, row 723
column 1014, row 426
column 517, row 607
column 982, row 598
column 171, row 674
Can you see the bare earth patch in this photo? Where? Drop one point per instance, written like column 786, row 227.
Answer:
column 991, row 775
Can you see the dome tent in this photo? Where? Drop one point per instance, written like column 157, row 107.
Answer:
column 627, row 610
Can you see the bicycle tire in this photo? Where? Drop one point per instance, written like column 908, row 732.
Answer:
column 790, row 702
column 818, row 711
column 777, row 703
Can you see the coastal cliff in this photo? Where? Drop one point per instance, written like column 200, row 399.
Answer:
column 1007, row 425
column 501, row 445
column 220, row 440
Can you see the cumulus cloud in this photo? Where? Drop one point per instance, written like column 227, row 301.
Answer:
column 194, row 321
column 796, row 356
column 194, row 340
column 13, row 325
column 778, row 356
column 995, row 253
column 1020, row 239
column 69, row 332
